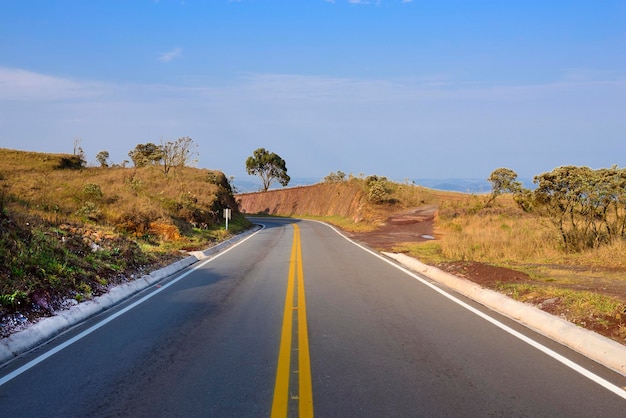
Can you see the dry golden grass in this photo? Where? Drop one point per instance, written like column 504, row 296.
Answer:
column 496, row 236
column 505, row 235
column 140, row 201
column 72, row 231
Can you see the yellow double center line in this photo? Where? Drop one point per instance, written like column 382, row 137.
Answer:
column 303, row 394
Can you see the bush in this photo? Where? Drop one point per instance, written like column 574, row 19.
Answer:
column 377, row 188
column 93, row 191
column 90, row 211
column 337, row 177
column 71, row 162
column 588, row 207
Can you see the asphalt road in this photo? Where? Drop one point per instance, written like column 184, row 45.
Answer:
column 299, row 320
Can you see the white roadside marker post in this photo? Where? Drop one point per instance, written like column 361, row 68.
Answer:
column 227, row 213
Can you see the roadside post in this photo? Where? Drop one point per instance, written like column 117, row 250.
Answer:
column 227, row 213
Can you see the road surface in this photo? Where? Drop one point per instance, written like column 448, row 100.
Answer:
column 296, row 320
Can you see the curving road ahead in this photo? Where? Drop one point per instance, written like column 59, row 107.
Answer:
column 296, row 320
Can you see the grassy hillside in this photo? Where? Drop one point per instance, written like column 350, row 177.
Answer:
column 67, row 230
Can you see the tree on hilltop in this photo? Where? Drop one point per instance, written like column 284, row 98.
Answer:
column 269, row 166
column 146, row 154
column 79, row 152
column 179, row 153
column 102, row 158
column 503, row 180
column 170, row 154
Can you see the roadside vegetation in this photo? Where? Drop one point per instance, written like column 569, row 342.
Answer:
column 566, row 236
column 68, row 232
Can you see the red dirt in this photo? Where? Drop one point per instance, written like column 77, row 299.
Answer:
column 415, row 225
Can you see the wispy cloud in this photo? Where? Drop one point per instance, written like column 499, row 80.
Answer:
column 18, row 84
column 170, row 55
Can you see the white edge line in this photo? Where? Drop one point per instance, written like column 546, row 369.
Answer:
column 102, row 323
column 558, row 357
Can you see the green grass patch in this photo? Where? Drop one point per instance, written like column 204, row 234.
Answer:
column 345, row 223
column 576, row 305
column 427, row 252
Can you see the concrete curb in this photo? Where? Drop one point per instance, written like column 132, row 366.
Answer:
column 592, row 345
column 47, row 328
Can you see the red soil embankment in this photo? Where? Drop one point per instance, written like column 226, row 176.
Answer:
column 324, row 199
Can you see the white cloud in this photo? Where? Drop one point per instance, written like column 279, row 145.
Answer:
column 170, row 55
column 18, row 84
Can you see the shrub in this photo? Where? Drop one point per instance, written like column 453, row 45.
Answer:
column 90, row 211
column 588, row 207
column 93, row 191
column 71, row 162
column 377, row 188
column 14, row 299
column 337, row 177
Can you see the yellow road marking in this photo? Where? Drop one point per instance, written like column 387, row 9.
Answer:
column 280, row 404
column 304, row 361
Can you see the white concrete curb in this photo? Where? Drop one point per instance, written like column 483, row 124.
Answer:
column 46, row 328
column 592, row 345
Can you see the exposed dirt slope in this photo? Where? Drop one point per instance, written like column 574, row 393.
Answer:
column 393, row 223
column 326, row 199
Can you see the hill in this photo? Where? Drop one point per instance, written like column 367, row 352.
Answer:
column 68, row 232
column 338, row 199
column 358, row 204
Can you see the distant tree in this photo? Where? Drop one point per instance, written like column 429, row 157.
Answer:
column 503, row 180
column 102, row 158
column 77, row 149
column 337, row 177
column 78, row 152
column 179, row 153
column 269, row 166
column 146, row 154
column 233, row 187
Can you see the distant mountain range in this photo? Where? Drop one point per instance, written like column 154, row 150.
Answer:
column 451, row 184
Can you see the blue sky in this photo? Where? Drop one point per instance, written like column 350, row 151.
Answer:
column 404, row 89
